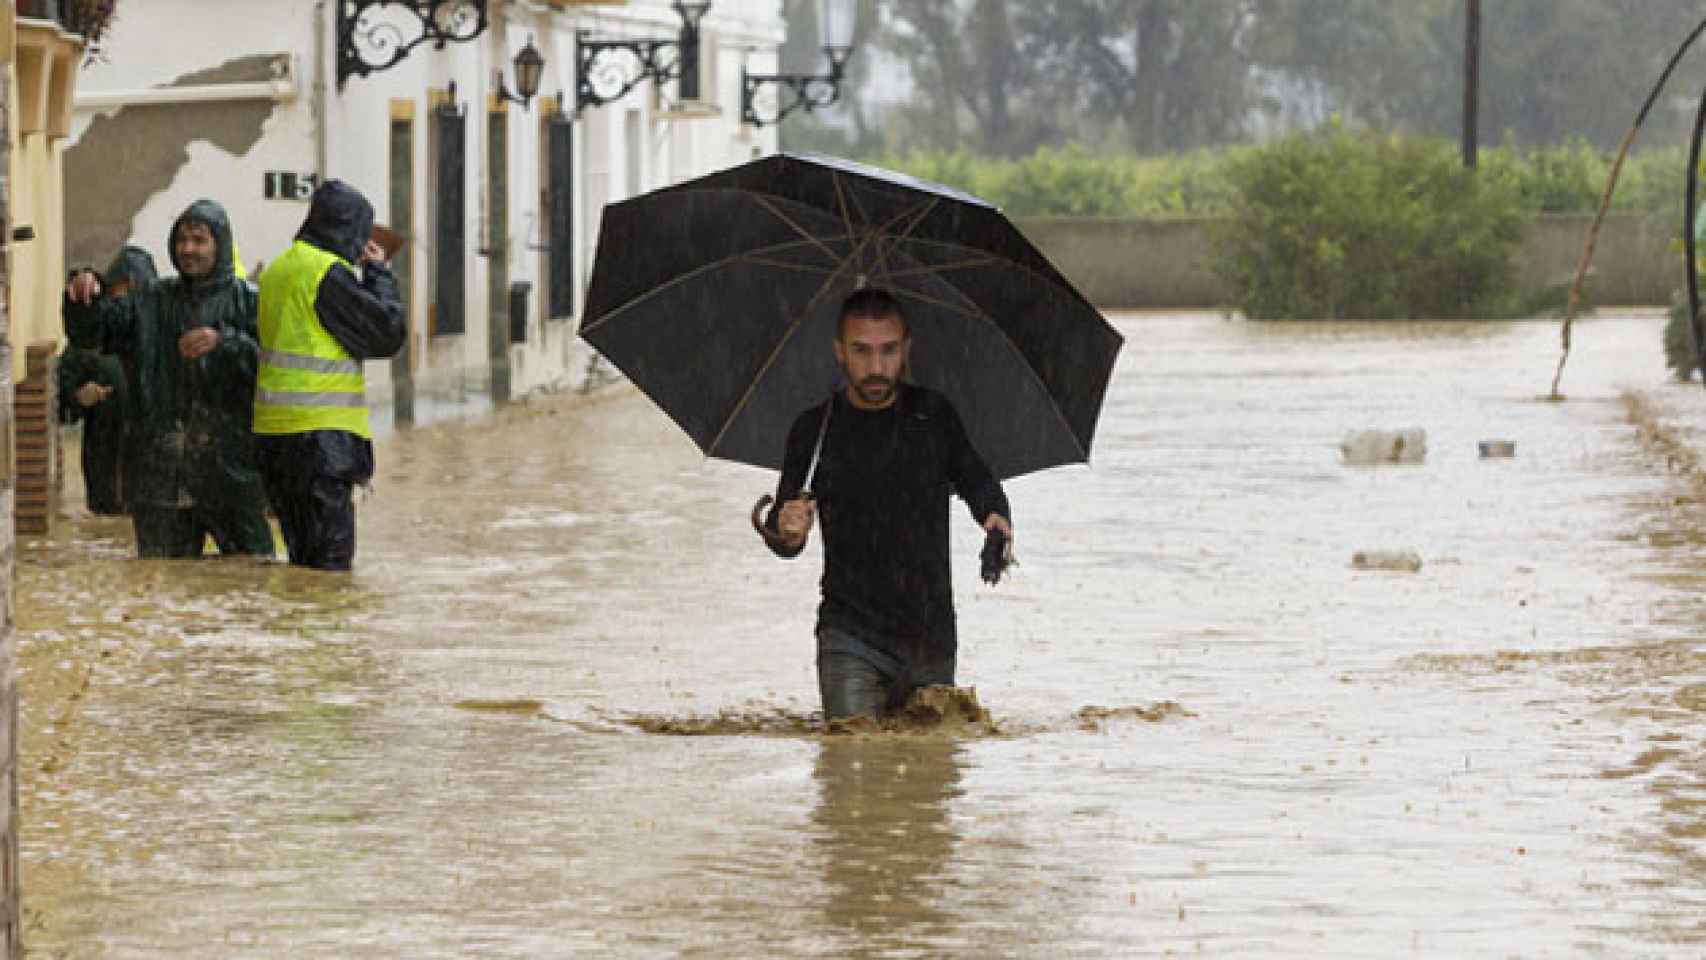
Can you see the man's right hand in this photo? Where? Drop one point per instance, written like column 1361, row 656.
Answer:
column 92, row 393
column 795, row 520
column 84, row 287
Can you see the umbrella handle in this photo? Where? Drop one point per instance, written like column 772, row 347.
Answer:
column 758, row 509
column 763, row 504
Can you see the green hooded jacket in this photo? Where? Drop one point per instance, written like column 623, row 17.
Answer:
column 189, row 443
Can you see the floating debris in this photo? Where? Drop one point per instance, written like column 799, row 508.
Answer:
column 1401, row 561
column 1496, row 449
column 1369, row 447
column 522, row 705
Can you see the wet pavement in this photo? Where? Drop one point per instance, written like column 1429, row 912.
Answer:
column 565, row 704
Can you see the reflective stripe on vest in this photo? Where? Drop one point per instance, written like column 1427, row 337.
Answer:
column 307, row 380
column 301, row 361
column 280, row 398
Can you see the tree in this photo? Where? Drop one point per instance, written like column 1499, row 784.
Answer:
column 1002, row 77
column 1175, row 74
column 976, row 85
column 1550, row 69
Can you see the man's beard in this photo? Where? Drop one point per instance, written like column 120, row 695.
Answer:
column 876, row 390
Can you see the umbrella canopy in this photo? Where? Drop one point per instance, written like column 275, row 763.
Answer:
column 719, row 298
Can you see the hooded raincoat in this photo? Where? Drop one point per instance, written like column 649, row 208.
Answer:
column 314, row 448
column 189, row 457
column 104, row 423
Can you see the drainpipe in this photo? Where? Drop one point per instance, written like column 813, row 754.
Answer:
column 496, row 169
column 319, row 97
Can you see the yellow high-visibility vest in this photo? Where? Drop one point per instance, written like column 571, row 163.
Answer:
column 307, row 381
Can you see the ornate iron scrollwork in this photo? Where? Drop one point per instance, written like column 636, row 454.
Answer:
column 601, row 76
column 810, row 92
column 375, row 35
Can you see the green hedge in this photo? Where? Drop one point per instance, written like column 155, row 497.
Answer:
column 1342, row 224
column 1074, row 180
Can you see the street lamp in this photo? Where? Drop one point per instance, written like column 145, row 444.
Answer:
column 597, row 84
column 529, row 67
column 835, row 19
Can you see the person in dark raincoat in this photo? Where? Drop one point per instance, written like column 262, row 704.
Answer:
column 189, row 352
column 318, row 322
column 92, row 391
column 887, row 454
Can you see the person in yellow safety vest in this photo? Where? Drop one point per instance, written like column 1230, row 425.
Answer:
column 318, row 322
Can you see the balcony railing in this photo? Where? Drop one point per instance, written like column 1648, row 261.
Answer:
column 87, row 17
column 41, row 10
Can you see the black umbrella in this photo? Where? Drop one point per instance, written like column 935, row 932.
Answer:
column 719, row 298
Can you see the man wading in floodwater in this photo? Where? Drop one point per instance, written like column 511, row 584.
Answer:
column 885, row 462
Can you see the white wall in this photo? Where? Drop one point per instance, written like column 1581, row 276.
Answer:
column 262, row 228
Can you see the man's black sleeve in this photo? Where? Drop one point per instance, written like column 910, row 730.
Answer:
column 796, row 460
column 972, row 478
column 366, row 316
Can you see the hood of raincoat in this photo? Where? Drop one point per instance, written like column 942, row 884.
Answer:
column 339, row 220
column 214, row 217
column 133, row 265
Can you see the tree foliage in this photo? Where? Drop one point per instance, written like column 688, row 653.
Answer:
column 1339, row 224
column 1003, row 77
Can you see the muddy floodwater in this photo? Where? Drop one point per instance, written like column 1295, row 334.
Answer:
column 565, row 706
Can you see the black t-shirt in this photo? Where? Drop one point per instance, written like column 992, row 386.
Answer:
column 882, row 487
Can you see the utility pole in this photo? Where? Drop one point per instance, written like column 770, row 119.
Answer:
column 1471, row 79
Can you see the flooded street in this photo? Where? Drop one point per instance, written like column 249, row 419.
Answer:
column 565, row 704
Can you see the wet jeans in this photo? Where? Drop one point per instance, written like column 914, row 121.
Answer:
column 855, row 677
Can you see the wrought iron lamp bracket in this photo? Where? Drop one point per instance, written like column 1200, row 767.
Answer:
column 653, row 66
column 810, row 92
column 368, row 44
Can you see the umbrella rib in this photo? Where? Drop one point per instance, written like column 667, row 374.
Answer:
column 842, row 202
column 784, row 265
column 978, row 314
column 1054, row 282
column 765, row 202
column 887, row 231
column 694, row 274
column 918, row 214
column 943, row 267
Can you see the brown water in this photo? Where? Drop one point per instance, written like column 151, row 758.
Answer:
column 566, row 704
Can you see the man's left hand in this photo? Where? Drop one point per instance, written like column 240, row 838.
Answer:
column 997, row 552
column 198, row 342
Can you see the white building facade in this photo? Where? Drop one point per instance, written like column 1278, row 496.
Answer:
column 252, row 102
